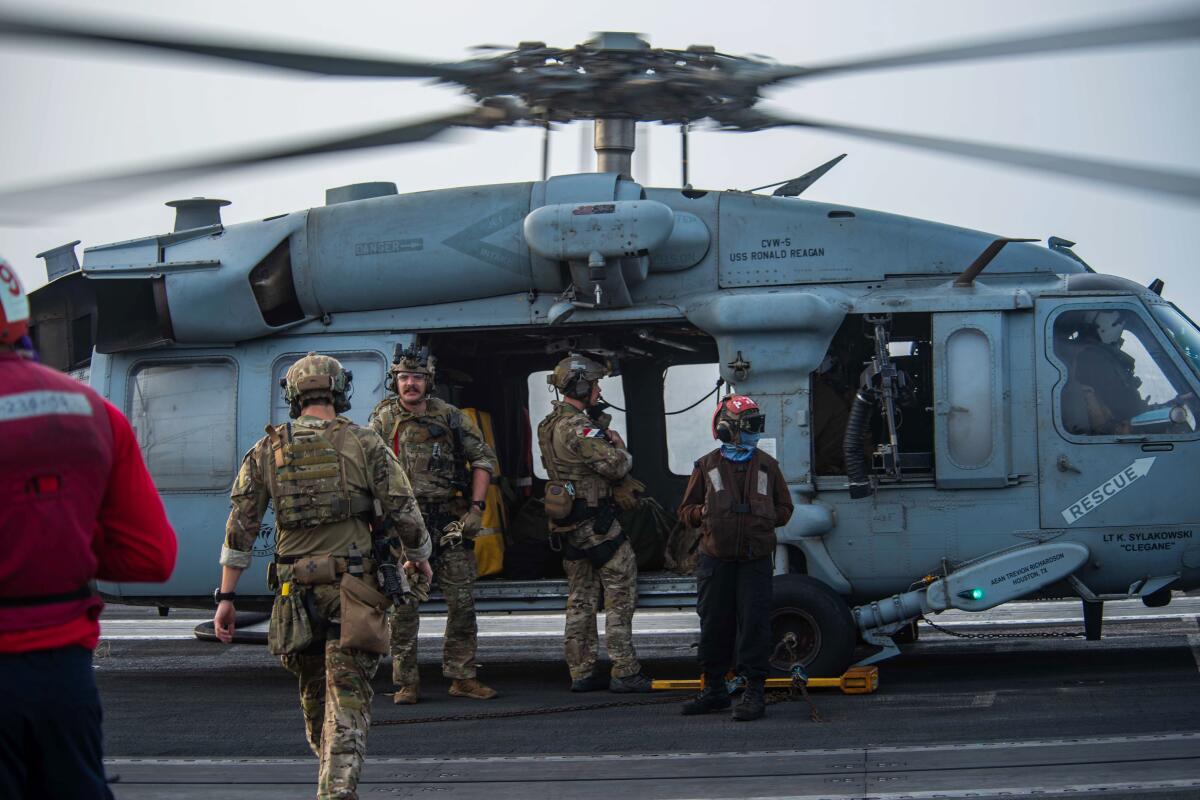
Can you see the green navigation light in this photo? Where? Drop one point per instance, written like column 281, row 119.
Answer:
column 975, row 594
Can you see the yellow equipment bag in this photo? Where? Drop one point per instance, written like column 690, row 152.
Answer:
column 489, row 542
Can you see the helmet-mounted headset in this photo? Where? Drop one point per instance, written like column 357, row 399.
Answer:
column 575, row 375
column 737, row 413
column 315, row 378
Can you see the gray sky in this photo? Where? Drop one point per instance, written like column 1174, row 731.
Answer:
column 71, row 111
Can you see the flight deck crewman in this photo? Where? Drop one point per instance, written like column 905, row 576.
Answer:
column 738, row 497
column 585, row 461
column 327, row 479
column 76, row 503
column 435, row 442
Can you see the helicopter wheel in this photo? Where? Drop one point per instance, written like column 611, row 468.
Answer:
column 820, row 620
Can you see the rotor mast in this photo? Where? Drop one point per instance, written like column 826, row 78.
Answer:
column 615, row 141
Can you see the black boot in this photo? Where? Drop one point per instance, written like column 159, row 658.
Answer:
column 753, row 704
column 713, row 698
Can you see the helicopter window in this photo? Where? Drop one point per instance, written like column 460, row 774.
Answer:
column 969, row 393
column 1181, row 331
column 1119, row 379
column 367, row 386
column 689, row 432
column 182, row 415
column 612, row 389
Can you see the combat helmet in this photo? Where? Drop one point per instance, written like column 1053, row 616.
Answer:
column 314, row 378
column 737, row 413
column 575, row 375
column 415, row 360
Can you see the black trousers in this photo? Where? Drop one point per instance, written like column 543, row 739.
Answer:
column 50, row 726
column 734, row 603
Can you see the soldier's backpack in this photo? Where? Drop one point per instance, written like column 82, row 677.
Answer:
column 647, row 526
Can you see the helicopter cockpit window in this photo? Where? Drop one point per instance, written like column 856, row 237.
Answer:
column 1181, row 331
column 183, row 415
column 612, row 390
column 1119, row 379
column 368, row 372
column 689, row 430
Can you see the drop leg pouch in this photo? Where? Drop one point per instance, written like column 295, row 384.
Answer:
column 364, row 621
column 291, row 630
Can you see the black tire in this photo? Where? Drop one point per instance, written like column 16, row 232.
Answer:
column 821, row 621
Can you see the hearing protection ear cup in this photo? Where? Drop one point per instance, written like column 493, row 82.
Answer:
column 724, row 431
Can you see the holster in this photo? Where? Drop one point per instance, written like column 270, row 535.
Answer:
column 598, row 554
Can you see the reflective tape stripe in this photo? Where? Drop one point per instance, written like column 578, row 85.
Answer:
column 43, row 404
column 714, row 477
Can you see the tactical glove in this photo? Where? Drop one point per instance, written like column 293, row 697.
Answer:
column 419, row 583
column 471, row 522
column 626, row 492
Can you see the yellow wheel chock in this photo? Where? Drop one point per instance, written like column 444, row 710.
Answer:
column 856, row 680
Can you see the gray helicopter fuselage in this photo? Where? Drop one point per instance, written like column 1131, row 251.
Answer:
column 221, row 311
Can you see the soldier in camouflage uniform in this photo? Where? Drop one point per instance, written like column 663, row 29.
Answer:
column 587, row 460
column 435, row 442
column 327, row 479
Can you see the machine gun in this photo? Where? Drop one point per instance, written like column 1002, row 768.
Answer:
column 887, row 384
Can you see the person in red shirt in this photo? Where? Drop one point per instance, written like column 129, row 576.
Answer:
column 76, row 504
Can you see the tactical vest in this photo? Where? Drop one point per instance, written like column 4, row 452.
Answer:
column 741, row 509
column 308, row 484
column 562, row 464
column 431, row 446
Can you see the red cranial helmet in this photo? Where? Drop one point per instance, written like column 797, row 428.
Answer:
column 14, row 306
column 737, row 413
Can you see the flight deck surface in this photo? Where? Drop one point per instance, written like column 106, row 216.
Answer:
column 1002, row 717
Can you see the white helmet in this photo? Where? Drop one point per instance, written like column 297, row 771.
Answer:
column 1110, row 325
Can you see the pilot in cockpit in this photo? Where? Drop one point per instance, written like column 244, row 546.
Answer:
column 1102, row 394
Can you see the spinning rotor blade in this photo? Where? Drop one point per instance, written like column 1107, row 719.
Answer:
column 22, row 205
column 1177, row 183
column 321, row 64
column 1180, row 27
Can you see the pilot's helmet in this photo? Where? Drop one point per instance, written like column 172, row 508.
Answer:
column 314, row 378
column 1109, row 325
column 14, row 306
column 575, row 375
column 734, row 414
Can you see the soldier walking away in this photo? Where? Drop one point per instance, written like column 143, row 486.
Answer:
column 584, row 462
column 738, row 497
column 329, row 481
column 76, row 504
column 447, row 460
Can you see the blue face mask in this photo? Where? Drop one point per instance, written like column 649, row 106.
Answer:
column 743, row 449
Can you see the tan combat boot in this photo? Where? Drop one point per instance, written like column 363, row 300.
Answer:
column 469, row 687
column 406, row 695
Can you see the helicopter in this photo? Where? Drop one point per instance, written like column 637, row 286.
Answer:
column 963, row 419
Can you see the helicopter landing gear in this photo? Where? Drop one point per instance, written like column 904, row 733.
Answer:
column 164, row 611
column 1093, row 619
column 819, row 619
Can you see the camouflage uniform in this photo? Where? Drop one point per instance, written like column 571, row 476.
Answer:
column 436, row 458
column 334, row 682
column 574, row 449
